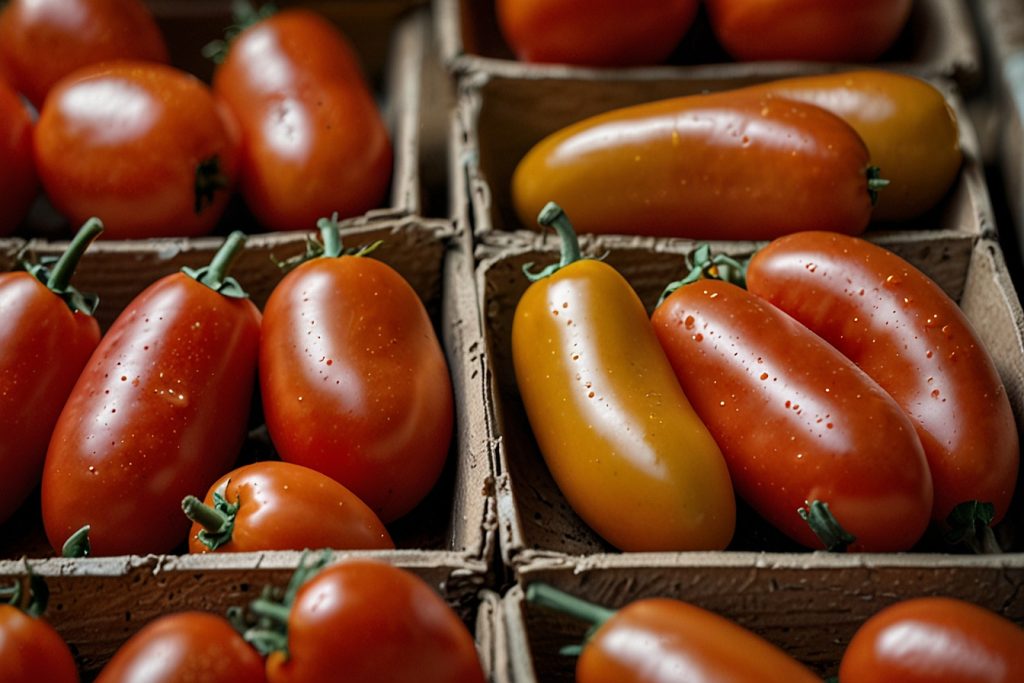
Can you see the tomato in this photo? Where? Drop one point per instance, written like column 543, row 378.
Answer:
column 18, row 172
column 810, row 30
column 47, row 335
column 726, row 165
column 620, row 439
column 314, row 141
column 275, row 505
column 31, row 650
column 144, row 146
column 161, row 409
column 353, row 378
column 185, row 647
column 362, row 620
column 910, row 130
column 898, row 326
column 796, row 420
column 41, row 41
column 660, row 640
column 935, row 640
column 608, row 33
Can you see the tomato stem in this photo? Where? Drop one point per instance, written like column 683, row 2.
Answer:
column 208, row 181
column 58, row 278
column 548, row 596
column 875, row 183
column 330, row 234
column 77, row 544
column 269, row 609
column 701, row 264
column 825, row 526
column 218, row 520
column 214, row 275
column 970, row 523
column 553, row 216
column 30, row 593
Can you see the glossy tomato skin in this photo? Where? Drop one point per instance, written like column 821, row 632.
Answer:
column 41, row 41
column 364, row 622
column 160, row 410
column 726, row 165
column 795, row 419
column 615, row 430
column 282, row 506
column 354, row 381
column 18, row 172
column 935, row 640
column 898, row 326
column 658, row 640
column 833, row 31
column 43, row 347
column 185, row 647
column 606, row 33
column 909, row 128
column 313, row 139
column 31, row 650
column 145, row 147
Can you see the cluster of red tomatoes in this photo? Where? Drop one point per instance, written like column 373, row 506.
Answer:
column 151, row 150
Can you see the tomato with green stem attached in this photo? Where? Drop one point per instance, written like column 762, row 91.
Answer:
column 620, row 438
column 47, row 335
column 31, row 650
column 273, row 505
column 160, row 410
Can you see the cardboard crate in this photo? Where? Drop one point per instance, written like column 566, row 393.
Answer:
column 500, row 118
column 535, row 520
column 938, row 41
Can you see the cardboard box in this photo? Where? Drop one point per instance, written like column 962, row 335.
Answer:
column 938, row 41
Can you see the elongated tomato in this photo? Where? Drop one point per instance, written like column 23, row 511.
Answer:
column 909, row 127
column 354, row 381
column 620, row 438
column 313, row 139
column 797, row 421
column 905, row 332
column 935, row 640
column 273, row 505
column 160, row 410
column 18, row 172
column 722, row 166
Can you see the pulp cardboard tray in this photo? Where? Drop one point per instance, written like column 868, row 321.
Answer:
column 535, row 520
column 500, row 118
column 97, row 604
column 808, row 605
column 391, row 38
column 939, row 41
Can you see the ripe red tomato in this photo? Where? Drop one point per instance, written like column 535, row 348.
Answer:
column 160, row 410
column 32, row 651
column 314, row 140
column 835, row 31
column 899, row 327
column 186, row 647
column 796, row 420
column 275, row 505
column 41, row 41
column 354, row 381
column 18, row 171
column 935, row 640
column 46, row 336
column 143, row 146
column 373, row 622
column 609, row 33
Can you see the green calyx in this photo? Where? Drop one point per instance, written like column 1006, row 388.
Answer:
column 30, row 593
column 328, row 246
column 825, row 526
column 77, row 544
column 218, row 521
column 702, row 264
column 970, row 523
column 56, row 273
column 553, row 216
column 215, row 275
column 875, row 183
column 548, row 596
column 208, row 182
column 243, row 15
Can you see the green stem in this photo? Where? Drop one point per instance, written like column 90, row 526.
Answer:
column 330, row 233
column 77, row 544
column 269, row 609
column 703, row 265
column 553, row 216
column 970, row 523
column 825, row 526
column 875, row 183
column 210, row 518
column 548, row 596
column 60, row 277
column 208, row 181
column 215, row 275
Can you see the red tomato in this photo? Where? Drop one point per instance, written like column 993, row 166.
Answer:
column 835, row 31
column 314, row 141
column 276, row 505
column 160, row 410
column 795, row 419
column 41, row 41
column 368, row 621
column 354, row 381
column 32, row 651
column 935, row 640
column 18, row 171
column 46, row 336
column 899, row 327
column 607, row 33
column 144, row 146
column 186, row 647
